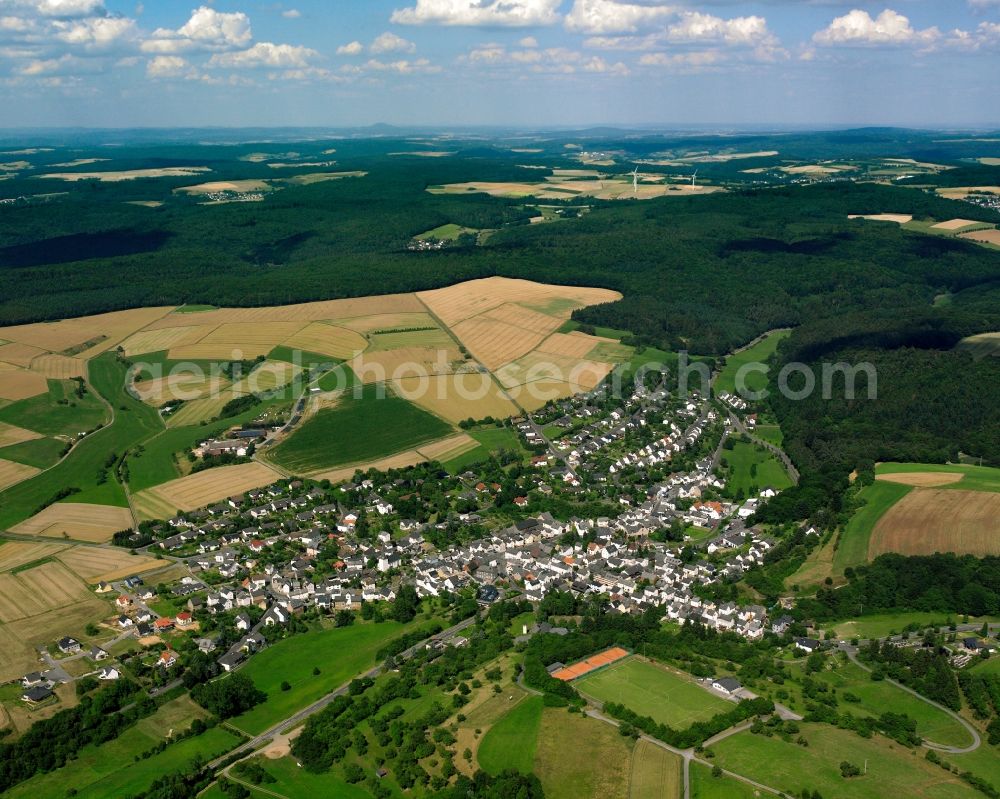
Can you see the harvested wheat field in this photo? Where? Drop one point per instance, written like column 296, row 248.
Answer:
column 435, row 338
column 980, row 345
column 496, row 343
column 199, row 410
column 571, row 345
column 94, row 564
column 220, row 351
column 961, row 192
column 536, row 366
column 225, row 185
column 389, row 321
column 301, row 312
column 377, row 367
column 398, row 461
column 59, row 367
column 10, row 434
column 457, row 397
column 17, row 384
column 464, row 300
column 20, row 354
column 448, row 448
column 203, row 488
column 43, row 603
column 922, row 479
column 899, row 219
column 11, row 473
column 954, row 224
column 77, row 520
column 519, row 316
column 266, row 377
column 130, row 174
column 17, row 553
column 84, row 336
column 37, row 590
column 984, row 236
column 928, row 520
column 326, row 339
column 184, row 386
column 164, row 338
column 534, row 395
column 237, row 340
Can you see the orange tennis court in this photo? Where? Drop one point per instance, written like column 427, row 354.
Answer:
column 594, row 662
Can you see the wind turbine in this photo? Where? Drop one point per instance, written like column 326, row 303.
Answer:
column 693, row 177
column 635, row 180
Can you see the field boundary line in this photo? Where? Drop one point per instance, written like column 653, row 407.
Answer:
column 462, row 347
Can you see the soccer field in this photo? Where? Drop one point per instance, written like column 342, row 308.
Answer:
column 654, row 691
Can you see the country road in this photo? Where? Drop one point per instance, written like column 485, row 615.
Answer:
column 852, row 654
column 252, row 744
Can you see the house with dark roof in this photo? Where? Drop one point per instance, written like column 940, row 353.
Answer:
column 727, row 685
column 37, row 695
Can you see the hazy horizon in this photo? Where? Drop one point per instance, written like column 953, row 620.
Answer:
column 492, row 63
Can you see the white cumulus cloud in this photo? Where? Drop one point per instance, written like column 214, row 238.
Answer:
column 59, row 8
column 94, row 31
column 207, row 29
column 507, row 13
column 351, row 48
column 697, row 27
column 266, row 54
column 167, row 66
column 858, row 27
column 600, row 17
column 391, row 43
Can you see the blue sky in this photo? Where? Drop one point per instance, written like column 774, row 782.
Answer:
column 110, row 63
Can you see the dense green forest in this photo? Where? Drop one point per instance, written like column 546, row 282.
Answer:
column 947, row 583
column 702, row 273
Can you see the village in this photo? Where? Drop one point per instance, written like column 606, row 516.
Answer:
column 297, row 547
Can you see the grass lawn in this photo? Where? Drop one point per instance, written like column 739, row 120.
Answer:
column 754, row 380
column 338, row 378
column 296, row 783
column 977, row 478
column 519, row 621
column 497, row 438
column 581, row 758
column 303, row 358
column 814, row 570
column 511, row 742
column 655, row 691
column 109, row 771
column 883, row 624
column 340, row 653
column 705, row 786
column 991, row 666
column 41, row 453
column 491, row 440
column 656, row 773
column 44, row 414
column 983, row 762
column 932, row 724
column 893, row 770
column 356, row 430
column 852, row 547
column 449, row 232
column 134, row 422
column 604, row 332
column 770, row 433
column 753, row 468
